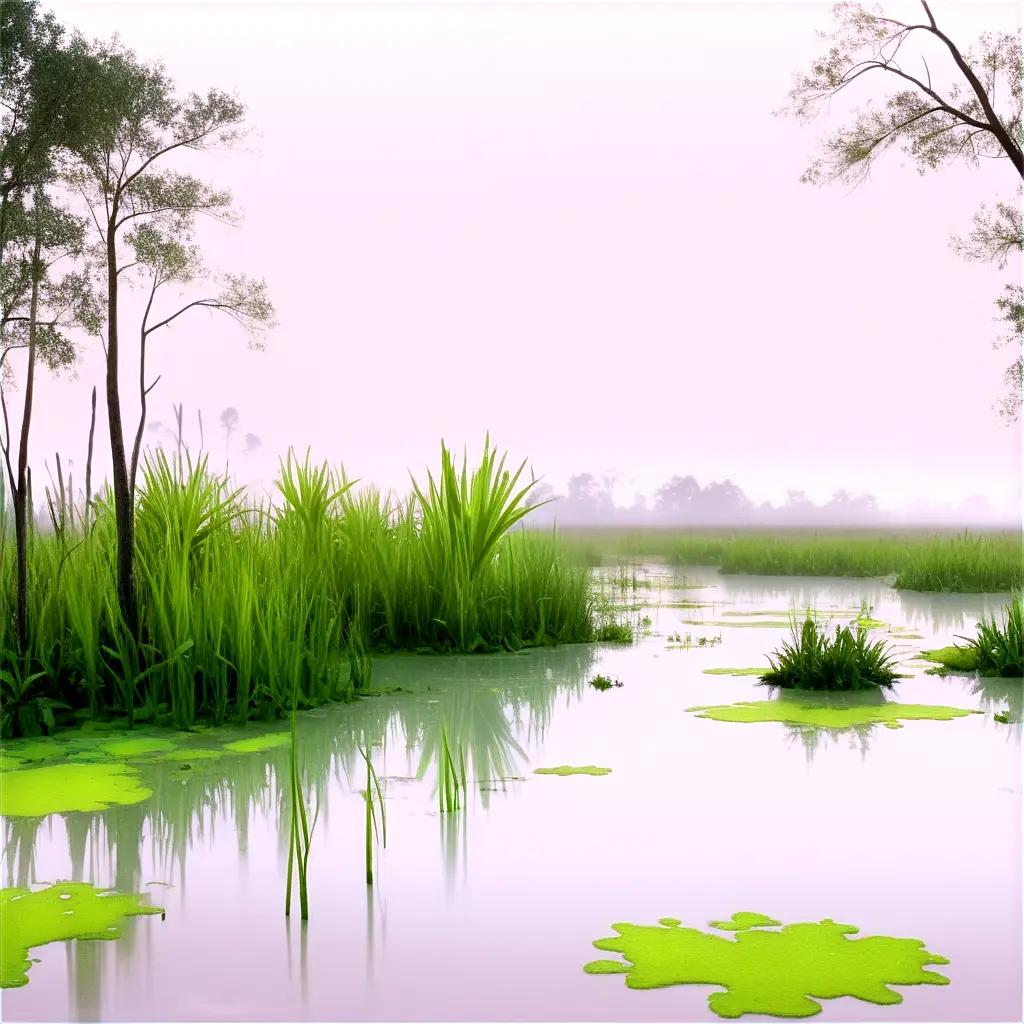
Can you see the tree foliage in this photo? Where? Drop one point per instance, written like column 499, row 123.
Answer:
column 945, row 105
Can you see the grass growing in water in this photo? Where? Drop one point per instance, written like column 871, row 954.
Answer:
column 374, row 801
column 451, row 776
column 812, row 660
column 997, row 649
column 235, row 598
column 984, row 562
column 300, row 829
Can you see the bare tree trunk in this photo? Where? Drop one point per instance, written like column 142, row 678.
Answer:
column 21, row 492
column 88, row 460
column 124, row 511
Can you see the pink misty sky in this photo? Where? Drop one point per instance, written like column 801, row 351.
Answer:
column 581, row 227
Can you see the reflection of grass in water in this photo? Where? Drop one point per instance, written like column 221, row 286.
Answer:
column 769, row 971
column 68, row 910
column 487, row 700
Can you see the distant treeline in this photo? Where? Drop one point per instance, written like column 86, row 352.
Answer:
column 683, row 501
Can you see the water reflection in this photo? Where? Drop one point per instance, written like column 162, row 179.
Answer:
column 484, row 705
column 812, row 737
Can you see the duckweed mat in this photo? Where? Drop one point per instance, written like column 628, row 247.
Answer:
column 828, row 716
column 68, row 910
column 778, row 971
column 736, row 671
column 34, row 792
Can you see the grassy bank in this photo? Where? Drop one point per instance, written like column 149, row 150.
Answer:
column 241, row 604
column 983, row 562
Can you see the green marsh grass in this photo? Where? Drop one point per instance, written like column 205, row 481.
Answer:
column 998, row 648
column 813, row 660
column 943, row 561
column 373, row 797
column 239, row 600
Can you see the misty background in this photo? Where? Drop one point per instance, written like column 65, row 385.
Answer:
column 582, row 228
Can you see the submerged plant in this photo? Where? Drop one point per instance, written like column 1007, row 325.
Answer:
column 812, row 660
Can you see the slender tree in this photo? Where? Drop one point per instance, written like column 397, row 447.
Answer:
column 946, row 104
column 40, row 307
column 143, row 210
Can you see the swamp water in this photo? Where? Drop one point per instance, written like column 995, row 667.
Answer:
column 490, row 913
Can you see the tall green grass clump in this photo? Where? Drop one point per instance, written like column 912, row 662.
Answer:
column 998, row 648
column 813, row 660
column 246, row 608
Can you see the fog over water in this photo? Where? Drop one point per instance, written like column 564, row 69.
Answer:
column 513, row 217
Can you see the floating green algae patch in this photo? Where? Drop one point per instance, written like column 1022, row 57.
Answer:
column 68, row 910
column 741, row 623
column 33, row 750
column 739, row 922
column 866, row 622
column 828, row 716
column 33, row 792
column 137, row 746
column 254, row 744
column 781, row 972
column 736, row 671
column 952, row 658
column 9, row 762
column 566, row 769
column 195, row 754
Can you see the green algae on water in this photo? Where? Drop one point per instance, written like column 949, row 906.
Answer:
column 254, row 744
column 952, row 659
column 137, row 746
column 34, row 792
column 565, row 769
column 195, row 754
column 778, row 972
column 829, row 716
column 739, row 922
column 68, row 910
column 736, row 671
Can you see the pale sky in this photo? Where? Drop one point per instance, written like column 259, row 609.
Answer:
column 578, row 226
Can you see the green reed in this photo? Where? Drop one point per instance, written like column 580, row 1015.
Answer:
column 373, row 798
column 998, row 647
column 236, row 599
column 984, row 562
column 813, row 660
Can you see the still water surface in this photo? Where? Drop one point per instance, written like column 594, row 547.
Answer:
column 489, row 914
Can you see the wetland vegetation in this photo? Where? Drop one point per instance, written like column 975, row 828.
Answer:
column 410, row 710
column 927, row 560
